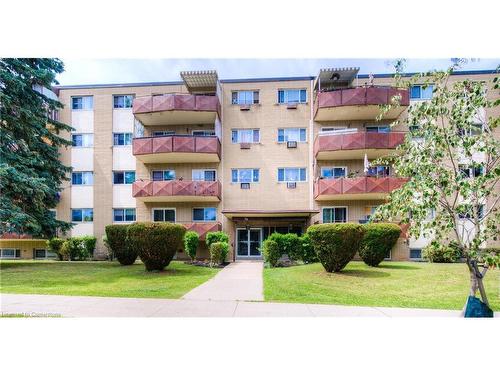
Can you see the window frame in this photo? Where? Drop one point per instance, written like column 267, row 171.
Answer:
column 238, row 181
column 346, row 172
column 204, row 220
column 163, row 209
column 285, row 96
column 333, row 207
column 378, row 129
column 166, row 133
column 163, row 174
column 203, row 170
column 82, row 98
column 125, row 215
column 238, row 140
column 83, row 135
column 123, row 95
column 46, row 257
column 204, row 131
column 431, row 86
column 285, row 140
column 254, row 93
column 284, row 172
column 410, row 249
column 124, row 177
column 83, row 216
column 82, row 178
column 16, row 251
column 115, row 135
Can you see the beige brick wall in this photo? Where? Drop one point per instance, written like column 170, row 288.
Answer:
column 26, row 246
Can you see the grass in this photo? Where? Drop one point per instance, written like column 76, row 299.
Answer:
column 107, row 279
column 392, row 284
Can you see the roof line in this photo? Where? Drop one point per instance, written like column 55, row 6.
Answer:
column 455, row 73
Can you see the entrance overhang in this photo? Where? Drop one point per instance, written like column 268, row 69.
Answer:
column 269, row 213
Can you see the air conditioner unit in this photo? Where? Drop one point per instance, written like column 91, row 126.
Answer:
column 244, row 107
column 291, row 144
column 291, row 106
column 245, row 185
column 291, row 185
column 245, row 146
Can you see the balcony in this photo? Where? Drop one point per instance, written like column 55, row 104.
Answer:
column 357, row 188
column 202, row 228
column 344, row 146
column 177, row 191
column 177, row 149
column 176, row 109
column 358, row 103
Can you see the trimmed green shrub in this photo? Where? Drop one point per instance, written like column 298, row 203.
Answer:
column 89, row 242
column 218, row 253
column 378, row 241
column 109, row 251
column 213, row 237
column 442, row 253
column 55, row 245
column 191, row 241
column 156, row 243
column 308, row 255
column 77, row 249
column 65, row 252
column 117, row 240
column 288, row 244
column 335, row 244
column 271, row 251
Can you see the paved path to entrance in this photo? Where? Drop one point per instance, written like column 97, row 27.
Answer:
column 71, row 306
column 238, row 281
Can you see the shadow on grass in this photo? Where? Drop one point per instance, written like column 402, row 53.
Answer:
column 398, row 267
column 364, row 273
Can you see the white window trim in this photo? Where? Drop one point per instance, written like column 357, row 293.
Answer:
column 243, row 129
column 124, row 221
column 92, row 134
column 409, row 254
column 45, row 257
column 203, row 221
column 124, row 183
column 261, row 231
column 292, row 89
column 127, row 108
column 82, row 96
column 285, row 182
column 163, row 208
column 284, row 129
column 240, row 104
column 241, row 182
column 421, row 85
column 203, row 170
column 163, row 171
column 131, row 136
column 171, row 133
column 329, row 207
column 92, row 184
column 82, row 221
column 205, row 130
column 334, row 166
column 9, row 257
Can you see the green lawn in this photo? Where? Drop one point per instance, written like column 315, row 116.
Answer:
column 392, row 284
column 108, row 279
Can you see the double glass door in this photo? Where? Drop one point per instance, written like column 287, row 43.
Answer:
column 248, row 242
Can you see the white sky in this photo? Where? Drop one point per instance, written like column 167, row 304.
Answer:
column 98, row 71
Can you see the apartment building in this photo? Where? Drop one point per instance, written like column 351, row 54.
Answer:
column 246, row 156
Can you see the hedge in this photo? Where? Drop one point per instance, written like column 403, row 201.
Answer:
column 212, row 237
column 271, row 252
column 89, row 243
column 378, row 241
column 156, row 243
column 116, row 236
column 297, row 248
column 442, row 253
column 191, row 242
column 336, row 244
column 76, row 249
column 218, row 253
column 55, row 245
column 308, row 254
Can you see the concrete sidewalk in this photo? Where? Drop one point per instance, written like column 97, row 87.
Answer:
column 238, row 281
column 69, row 306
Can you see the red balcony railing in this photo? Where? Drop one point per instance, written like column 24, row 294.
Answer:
column 357, row 185
column 203, row 228
column 176, row 143
column 357, row 141
column 176, row 102
column 176, row 188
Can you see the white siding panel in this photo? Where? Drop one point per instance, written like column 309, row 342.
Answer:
column 82, row 229
column 82, row 196
column 123, row 159
column 82, row 121
column 82, row 158
column 122, row 196
column 123, row 120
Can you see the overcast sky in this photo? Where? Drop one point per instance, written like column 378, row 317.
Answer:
column 92, row 71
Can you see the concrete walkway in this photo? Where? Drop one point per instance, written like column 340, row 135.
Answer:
column 69, row 306
column 238, row 281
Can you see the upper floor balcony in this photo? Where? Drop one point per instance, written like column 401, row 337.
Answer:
column 354, row 145
column 176, row 109
column 356, row 188
column 177, row 149
column 177, row 191
column 358, row 103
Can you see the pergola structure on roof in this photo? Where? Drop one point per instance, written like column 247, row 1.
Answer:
column 331, row 78
column 201, row 81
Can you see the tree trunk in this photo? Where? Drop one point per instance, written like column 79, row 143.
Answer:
column 476, row 281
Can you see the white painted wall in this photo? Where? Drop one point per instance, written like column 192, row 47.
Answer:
column 82, row 229
column 82, row 158
column 122, row 196
column 123, row 120
column 82, row 121
column 123, row 159
column 82, row 196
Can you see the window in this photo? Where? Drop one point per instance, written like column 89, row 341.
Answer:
column 378, row 171
column 415, row 253
column 245, row 136
column 82, row 215
column 166, row 175
column 333, row 172
column 123, row 101
column 163, row 133
column 335, row 215
column 82, row 178
column 245, row 175
column 245, row 97
column 378, row 129
column 335, row 129
column 82, row 140
column 123, row 177
column 82, row 103
column 475, row 129
column 123, row 214
column 205, row 214
column 164, row 214
column 43, row 254
column 292, row 96
column 469, row 171
column 122, row 139
column 203, row 133
column 204, row 174
column 468, row 212
column 292, row 134
column 10, row 253
column 291, row 174
column 421, row 92
column 369, row 211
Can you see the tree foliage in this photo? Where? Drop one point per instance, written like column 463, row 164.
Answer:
column 31, row 172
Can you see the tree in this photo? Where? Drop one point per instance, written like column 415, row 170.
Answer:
column 30, row 170
column 452, row 156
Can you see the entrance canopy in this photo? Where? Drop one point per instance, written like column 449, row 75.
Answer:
column 268, row 213
column 331, row 78
column 202, row 81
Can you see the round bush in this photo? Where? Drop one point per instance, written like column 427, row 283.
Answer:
column 335, row 244
column 213, row 237
column 89, row 242
column 442, row 253
column 55, row 245
column 378, row 241
column 156, row 243
column 191, row 241
column 218, row 253
column 77, row 249
column 271, row 251
column 117, row 240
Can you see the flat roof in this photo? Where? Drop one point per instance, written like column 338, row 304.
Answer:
column 250, row 80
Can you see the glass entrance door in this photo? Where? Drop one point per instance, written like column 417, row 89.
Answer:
column 248, row 242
